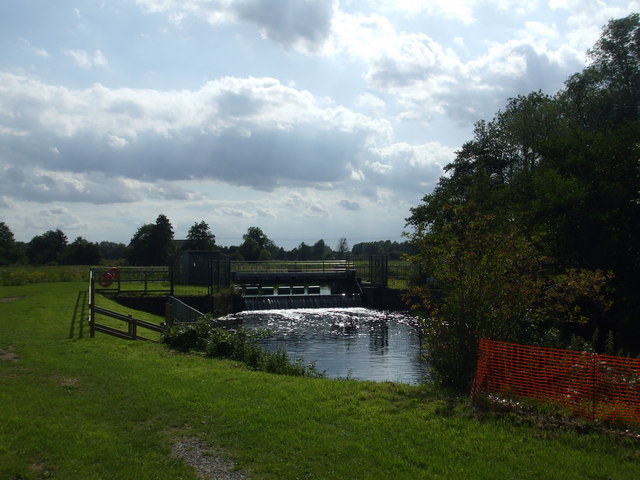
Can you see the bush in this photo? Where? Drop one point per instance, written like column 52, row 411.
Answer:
column 492, row 281
column 238, row 344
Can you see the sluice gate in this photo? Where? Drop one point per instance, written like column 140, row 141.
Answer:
column 267, row 286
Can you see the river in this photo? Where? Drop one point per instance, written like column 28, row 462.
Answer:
column 357, row 343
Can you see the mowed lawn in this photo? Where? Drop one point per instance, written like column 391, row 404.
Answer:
column 74, row 407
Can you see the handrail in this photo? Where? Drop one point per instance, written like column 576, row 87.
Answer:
column 276, row 266
column 132, row 325
column 180, row 312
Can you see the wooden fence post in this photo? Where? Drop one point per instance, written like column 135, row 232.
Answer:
column 92, row 311
column 168, row 314
column 133, row 330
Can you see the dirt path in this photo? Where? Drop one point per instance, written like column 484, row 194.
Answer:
column 209, row 463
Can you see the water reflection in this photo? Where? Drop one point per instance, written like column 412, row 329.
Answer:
column 350, row 342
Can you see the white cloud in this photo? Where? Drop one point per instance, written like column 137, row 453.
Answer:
column 426, row 79
column 296, row 25
column 460, row 10
column 251, row 131
column 40, row 52
column 116, row 142
column 87, row 60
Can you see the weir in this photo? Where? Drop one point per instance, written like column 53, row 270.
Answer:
column 294, row 284
column 283, row 302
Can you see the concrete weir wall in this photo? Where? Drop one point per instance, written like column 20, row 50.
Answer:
column 218, row 304
column 382, row 298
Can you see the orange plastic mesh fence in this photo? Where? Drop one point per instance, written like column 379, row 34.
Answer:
column 597, row 387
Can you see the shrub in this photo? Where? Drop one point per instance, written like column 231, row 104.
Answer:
column 492, row 282
column 238, row 344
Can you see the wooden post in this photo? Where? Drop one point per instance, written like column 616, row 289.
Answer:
column 92, row 311
column 168, row 314
column 133, row 330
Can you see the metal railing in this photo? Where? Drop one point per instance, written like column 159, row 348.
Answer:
column 135, row 280
column 180, row 312
column 284, row 266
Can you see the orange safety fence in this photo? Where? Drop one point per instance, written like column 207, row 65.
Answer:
column 596, row 387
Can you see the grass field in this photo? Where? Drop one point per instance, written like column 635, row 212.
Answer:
column 73, row 407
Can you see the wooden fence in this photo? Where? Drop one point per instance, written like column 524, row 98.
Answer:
column 132, row 324
column 595, row 387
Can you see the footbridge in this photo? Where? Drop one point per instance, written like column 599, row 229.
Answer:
column 290, row 273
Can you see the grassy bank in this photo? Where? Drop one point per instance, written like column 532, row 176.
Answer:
column 103, row 408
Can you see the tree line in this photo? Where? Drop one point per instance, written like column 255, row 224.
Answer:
column 155, row 244
column 533, row 234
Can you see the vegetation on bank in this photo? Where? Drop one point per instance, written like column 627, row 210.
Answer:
column 238, row 344
column 82, row 408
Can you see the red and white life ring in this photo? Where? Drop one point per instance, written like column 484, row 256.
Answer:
column 105, row 279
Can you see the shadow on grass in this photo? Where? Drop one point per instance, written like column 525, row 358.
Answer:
column 80, row 312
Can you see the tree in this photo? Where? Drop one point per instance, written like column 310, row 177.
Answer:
column 342, row 249
column 616, row 56
column 47, row 248
column 250, row 249
column 112, row 250
column 303, row 252
column 161, row 241
column 152, row 244
column 320, row 250
column 200, row 237
column 8, row 248
column 82, row 252
column 565, row 170
column 257, row 246
column 558, row 178
column 492, row 282
column 259, row 236
column 140, row 246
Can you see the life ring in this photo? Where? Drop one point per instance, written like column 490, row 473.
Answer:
column 115, row 273
column 105, row 279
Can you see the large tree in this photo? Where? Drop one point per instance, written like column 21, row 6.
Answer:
column 200, row 237
column 140, row 247
column 8, row 248
column 161, row 241
column 112, row 250
column 256, row 245
column 152, row 244
column 47, row 248
column 562, row 171
column 82, row 252
column 342, row 249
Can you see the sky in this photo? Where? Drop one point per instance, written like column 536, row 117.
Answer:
column 311, row 119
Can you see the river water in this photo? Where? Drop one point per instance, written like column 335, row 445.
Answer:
column 357, row 343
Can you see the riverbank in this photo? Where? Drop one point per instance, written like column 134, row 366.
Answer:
column 80, row 408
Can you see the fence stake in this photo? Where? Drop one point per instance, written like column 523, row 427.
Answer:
column 133, row 331
column 92, row 311
column 168, row 313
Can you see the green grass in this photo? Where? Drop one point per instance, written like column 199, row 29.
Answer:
column 72, row 407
